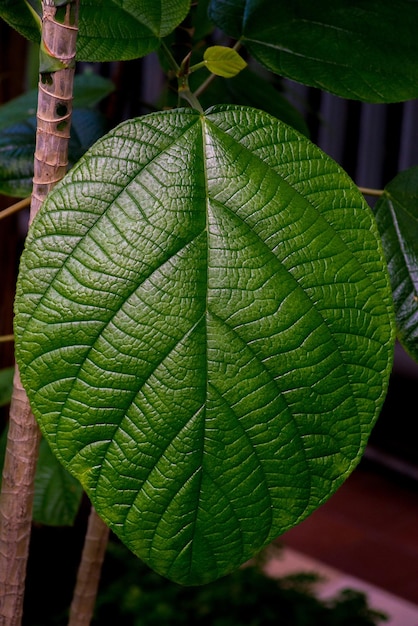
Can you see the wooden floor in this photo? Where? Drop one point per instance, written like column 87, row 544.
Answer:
column 368, row 529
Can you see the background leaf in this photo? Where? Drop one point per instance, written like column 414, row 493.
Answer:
column 89, row 90
column 228, row 14
column 19, row 16
column 57, row 494
column 202, row 24
column 17, row 147
column 109, row 29
column 397, row 219
column 6, row 385
column 363, row 49
column 18, row 131
column 203, row 326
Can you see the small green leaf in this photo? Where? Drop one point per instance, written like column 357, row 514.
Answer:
column 57, row 494
column 397, row 218
column 204, row 329
column 49, row 63
column 362, row 49
column 223, row 61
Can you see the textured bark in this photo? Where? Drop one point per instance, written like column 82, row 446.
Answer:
column 88, row 577
column 16, row 501
column 55, row 94
column 53, row 128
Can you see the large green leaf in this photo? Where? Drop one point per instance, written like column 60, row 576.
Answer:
column 204, row 329
column 362, row 49
column 397, row 219
column 109, row 29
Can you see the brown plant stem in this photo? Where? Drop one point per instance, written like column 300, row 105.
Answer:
column 14, row 208
column 16, row 500
column 88, row 576
column 55, row 94
column 6, row 338
column 367, row 191
column 50, row 164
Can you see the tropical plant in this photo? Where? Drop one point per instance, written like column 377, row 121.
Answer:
column 205, row 319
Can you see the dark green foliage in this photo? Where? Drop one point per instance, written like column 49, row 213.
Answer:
column 108, row 29
column 397, row 219
column 6, row 382
column 133, row 595
column 353, row 49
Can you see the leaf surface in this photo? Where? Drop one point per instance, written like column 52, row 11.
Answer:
column 397, row 219
column 109, row 29
column 204, row 329
column 363, row 49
